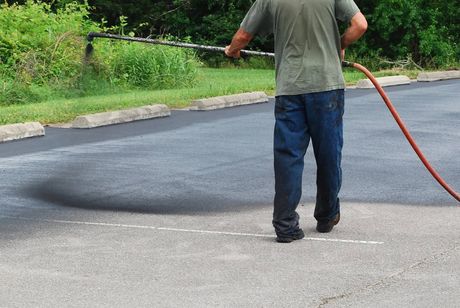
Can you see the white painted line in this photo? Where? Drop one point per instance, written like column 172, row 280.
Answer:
column 343, row 241
column 270, row 236
column 103, row 224
column 214, row 232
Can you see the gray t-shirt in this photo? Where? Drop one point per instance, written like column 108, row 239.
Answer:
column 307, row 41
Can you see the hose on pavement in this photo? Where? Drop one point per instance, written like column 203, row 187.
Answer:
column 403, row 128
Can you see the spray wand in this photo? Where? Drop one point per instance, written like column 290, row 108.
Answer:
column 92, row 35
column 402, row 126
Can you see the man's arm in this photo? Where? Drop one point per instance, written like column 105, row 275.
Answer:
column 358, row 26
column 240, row 40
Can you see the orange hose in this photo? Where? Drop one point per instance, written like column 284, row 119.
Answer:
column 404, row 129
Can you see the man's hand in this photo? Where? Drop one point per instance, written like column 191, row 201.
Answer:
column 232, row 53
column 240, row 40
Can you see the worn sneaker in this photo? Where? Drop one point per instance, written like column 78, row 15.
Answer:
column 290, row 238
column 325, row 227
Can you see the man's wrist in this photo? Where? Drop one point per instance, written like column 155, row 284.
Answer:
column 239, row 41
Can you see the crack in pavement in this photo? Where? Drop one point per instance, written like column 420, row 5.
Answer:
column 390, row 279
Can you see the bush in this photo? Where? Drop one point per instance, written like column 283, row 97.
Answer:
column 424, row 31
column 427, row 31
column 121, row 65
column 153, row 67
column 42, row 51
column 40, row 46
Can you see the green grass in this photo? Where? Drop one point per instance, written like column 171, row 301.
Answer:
column 211, row 82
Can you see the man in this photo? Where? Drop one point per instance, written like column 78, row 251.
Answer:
column 309, row 99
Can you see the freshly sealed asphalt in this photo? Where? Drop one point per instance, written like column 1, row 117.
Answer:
column 177, row 212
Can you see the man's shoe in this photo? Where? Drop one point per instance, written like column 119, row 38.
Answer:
column 290, row 238
column 325, row 227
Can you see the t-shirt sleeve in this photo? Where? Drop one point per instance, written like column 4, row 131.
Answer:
column 345, row 10
column 258, row 20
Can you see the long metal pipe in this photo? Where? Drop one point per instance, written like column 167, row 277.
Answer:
column 93, row 35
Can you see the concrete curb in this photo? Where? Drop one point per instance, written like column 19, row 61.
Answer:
column 384, row 82
column 21, row 131
column 220, row 102
column 121, row 116
column 437, row 76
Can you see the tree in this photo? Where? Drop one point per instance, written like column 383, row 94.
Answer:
column 426, row 30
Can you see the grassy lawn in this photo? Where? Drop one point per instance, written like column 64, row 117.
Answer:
column 212, row 82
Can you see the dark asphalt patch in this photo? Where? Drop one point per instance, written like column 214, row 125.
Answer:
column 81, row 192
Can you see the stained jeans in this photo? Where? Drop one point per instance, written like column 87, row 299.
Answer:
column 299, row 118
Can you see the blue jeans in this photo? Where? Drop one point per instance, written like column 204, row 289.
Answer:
column 299, row 118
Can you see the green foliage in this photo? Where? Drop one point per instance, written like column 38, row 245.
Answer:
column 221, row 61
column 42, row 42
column 41, row 56
column 206, row 22
column 134, row 65
column 40, row 46
column 426, row 31
column 435, row 49
column 158, row 67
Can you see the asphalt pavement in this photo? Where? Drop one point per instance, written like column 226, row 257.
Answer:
column 176, row 212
